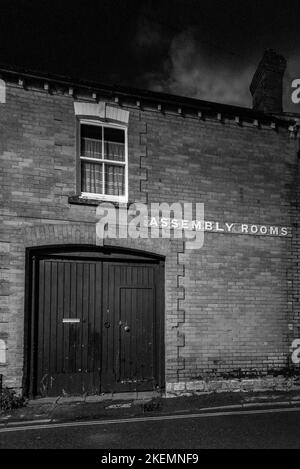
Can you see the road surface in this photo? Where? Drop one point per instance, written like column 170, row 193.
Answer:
column 253, row 429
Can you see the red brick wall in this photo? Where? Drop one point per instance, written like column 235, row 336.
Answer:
column 232, row 306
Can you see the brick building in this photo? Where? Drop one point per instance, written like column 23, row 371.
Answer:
column 83, row 314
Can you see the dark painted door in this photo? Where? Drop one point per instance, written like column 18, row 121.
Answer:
column 130, row 326
column 99, row 326
column 69, row 327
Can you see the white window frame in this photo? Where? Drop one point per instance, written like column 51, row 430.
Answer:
column 106, row 197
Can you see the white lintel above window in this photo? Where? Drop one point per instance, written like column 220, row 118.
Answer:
column 101, row 110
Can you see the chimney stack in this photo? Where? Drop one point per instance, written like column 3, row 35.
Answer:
column 266, row 85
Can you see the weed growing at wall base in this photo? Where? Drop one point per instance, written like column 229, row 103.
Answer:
column 9, row 400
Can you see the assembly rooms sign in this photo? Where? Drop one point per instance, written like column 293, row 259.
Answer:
column 138, row 221
column 217, row 226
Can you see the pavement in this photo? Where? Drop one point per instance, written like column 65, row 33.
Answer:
column 252, row 421
column 142, row 405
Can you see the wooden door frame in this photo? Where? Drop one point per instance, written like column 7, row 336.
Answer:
column 33, row 254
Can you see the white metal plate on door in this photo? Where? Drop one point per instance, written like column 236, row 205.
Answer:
column 71, row 320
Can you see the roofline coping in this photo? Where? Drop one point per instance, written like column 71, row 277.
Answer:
column 148, row 95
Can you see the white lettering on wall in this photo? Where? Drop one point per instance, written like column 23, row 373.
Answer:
column 229, row 226
column 274, row 230
column 283, row 231
column 208, row 225
column 217, row 226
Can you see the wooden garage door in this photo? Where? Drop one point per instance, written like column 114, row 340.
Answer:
column 129, row 327
column 98, row 326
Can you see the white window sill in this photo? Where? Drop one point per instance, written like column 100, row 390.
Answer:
column 94, row 201
column 103, row 198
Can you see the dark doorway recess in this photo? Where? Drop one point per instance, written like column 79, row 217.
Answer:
column 94, row 321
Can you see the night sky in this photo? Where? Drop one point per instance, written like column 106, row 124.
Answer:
column 204, row 49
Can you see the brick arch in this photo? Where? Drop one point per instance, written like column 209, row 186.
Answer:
column 85, row 233
column 155, row 246
column 63, row 233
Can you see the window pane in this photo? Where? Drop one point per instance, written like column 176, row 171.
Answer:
column 91, row 177
column 114, row 144
column 114, row 180
column 91, row 141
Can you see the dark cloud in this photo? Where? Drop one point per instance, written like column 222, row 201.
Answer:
column 213, row 55
column 148, row 34
column 189, row 71
column 205, row 49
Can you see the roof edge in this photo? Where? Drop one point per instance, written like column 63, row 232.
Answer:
column 146, row 95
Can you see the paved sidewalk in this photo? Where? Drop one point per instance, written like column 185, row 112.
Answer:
column 64, row 409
